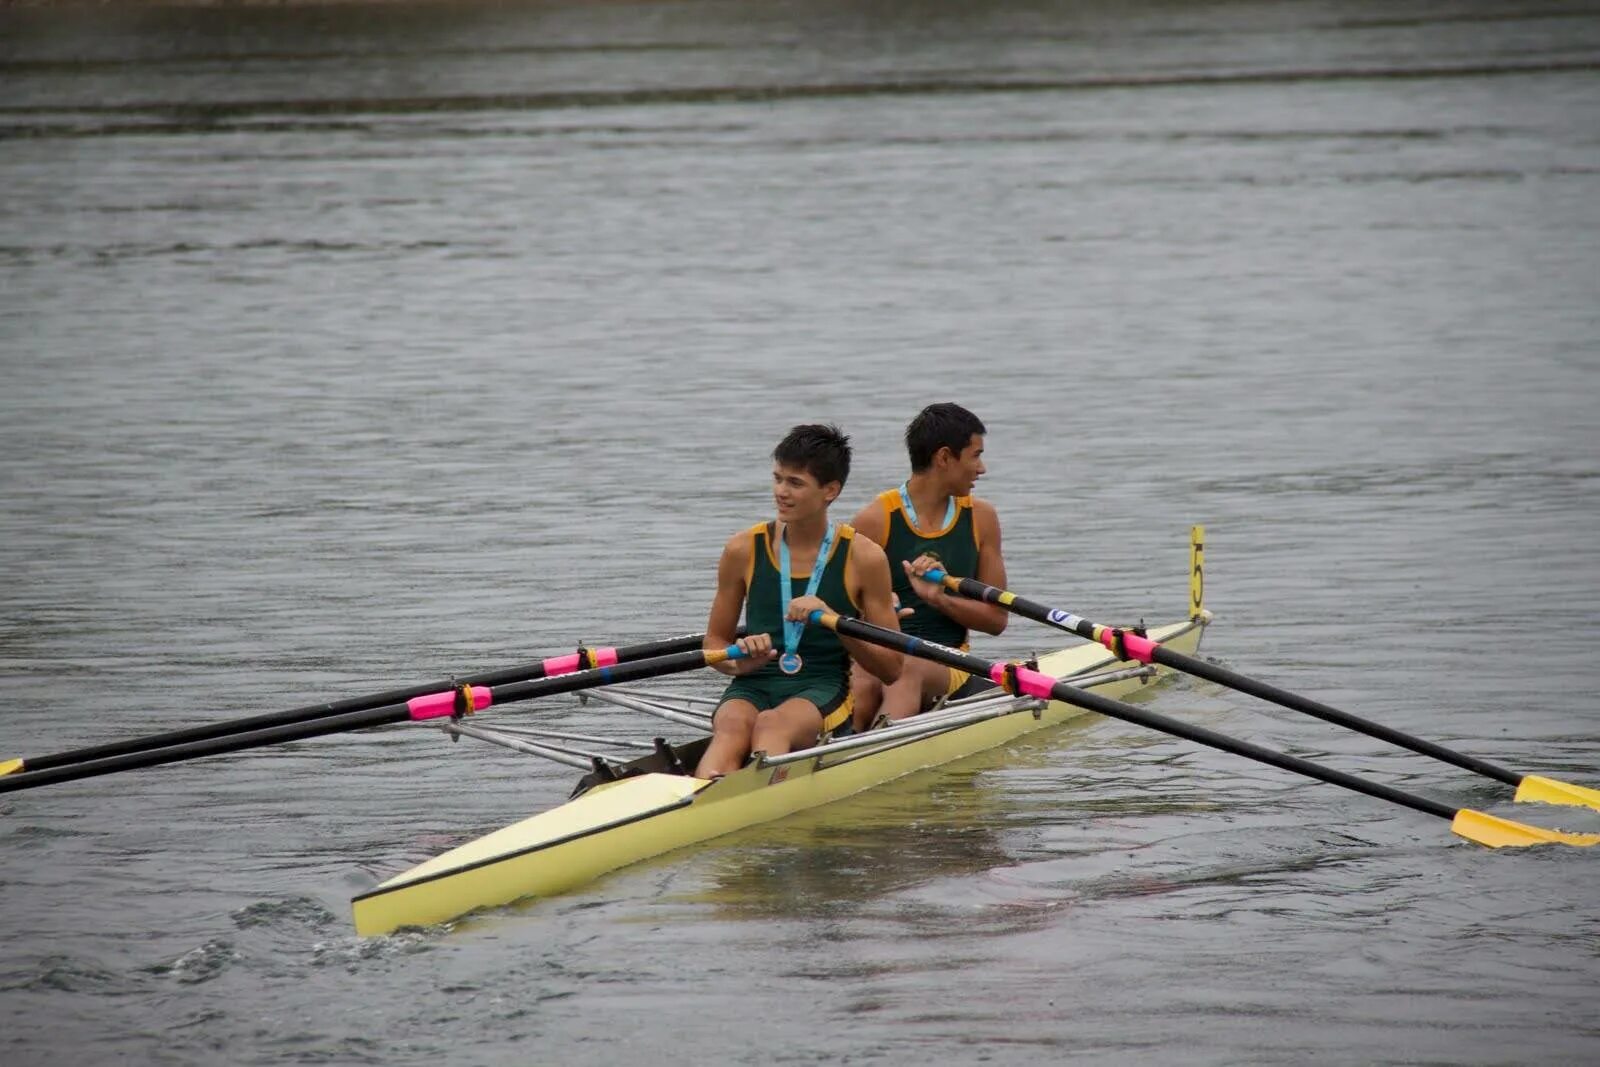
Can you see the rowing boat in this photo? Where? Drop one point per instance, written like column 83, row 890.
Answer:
column 627, row 808
column 649, row 806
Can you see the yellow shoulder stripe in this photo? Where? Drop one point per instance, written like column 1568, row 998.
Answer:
column 750, row 566
column 890, row 499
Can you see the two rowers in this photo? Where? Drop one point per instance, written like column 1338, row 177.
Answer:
column 785, row 694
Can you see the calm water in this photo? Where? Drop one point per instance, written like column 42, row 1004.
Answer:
column 344, row 348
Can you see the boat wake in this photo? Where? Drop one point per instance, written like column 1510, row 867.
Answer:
column 201, row 964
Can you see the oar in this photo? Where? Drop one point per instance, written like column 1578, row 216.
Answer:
column 463, row 700
column 1127, row 645
column 547, row 668
column 1473, row 825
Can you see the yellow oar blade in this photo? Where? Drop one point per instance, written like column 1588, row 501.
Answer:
column 11, row 766
column 1503, row 833
column 1536, row 790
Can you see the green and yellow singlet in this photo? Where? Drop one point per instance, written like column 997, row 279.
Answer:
column 823, row 657
column 955, row 547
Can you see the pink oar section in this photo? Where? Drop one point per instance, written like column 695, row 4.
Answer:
column 1030, row 683
column 575, row 661
column 443, row 705
column 1129, row 645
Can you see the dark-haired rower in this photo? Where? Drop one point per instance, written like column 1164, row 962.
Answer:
column 933, row 520
column 795, row 685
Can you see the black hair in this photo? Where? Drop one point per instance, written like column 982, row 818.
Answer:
column 940, row 426
column 821, row 451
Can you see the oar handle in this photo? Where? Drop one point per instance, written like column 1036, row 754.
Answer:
column 463, row 700
column 973, row 589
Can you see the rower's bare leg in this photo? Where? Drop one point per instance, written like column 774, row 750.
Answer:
column 732, row 725
column 796, row 723
column 866, row 695
column 921, row 682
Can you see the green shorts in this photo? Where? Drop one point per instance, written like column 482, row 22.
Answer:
column 831, row 698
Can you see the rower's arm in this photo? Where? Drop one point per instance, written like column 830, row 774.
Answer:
column 874, row 596
column 722, row 626
column 975, row 614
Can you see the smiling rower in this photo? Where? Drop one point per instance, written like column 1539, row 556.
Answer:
column 791, row 689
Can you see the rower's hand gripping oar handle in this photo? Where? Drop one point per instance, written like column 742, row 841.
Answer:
column 1130, row 642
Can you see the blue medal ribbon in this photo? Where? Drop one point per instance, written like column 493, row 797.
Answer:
column 911, row 511
column 789, row 662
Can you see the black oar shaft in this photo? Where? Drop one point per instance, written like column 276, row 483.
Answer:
column 214, row 746
column 1116, row 709
column 973, row 589
column 1061, row 620
column 633, row 670
column 1315, row 708
column 173, row 738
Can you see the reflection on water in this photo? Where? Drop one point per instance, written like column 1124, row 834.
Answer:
column 878, row 844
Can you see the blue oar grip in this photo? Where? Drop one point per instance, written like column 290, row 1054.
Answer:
column 815, row 618
column 734, row 652
column 933, row 574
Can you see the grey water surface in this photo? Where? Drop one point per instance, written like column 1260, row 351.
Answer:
column 345, row 347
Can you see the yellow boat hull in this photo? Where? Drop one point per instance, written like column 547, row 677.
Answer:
column 618, row 823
